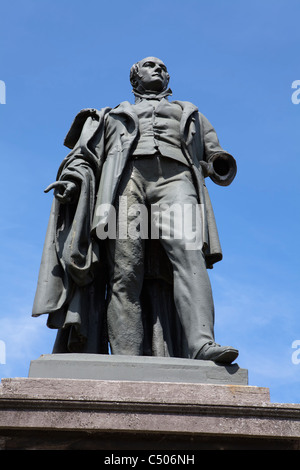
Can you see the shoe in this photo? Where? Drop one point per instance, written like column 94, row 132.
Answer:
column 214, row 352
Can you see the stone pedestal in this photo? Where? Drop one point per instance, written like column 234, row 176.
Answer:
column 141, row 413
column 136, row 368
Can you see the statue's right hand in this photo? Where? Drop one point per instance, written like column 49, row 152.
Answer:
column 64, row 191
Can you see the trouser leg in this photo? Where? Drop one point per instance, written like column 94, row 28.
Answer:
column 126, row 272
column 192, row 294
column 192, row 288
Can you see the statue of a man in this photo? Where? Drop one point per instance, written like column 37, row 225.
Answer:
column 135, row 292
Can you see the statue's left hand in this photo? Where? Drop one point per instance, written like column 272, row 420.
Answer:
column 64, row 191
column 208, row 169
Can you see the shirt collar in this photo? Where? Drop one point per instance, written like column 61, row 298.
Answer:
column 151, row 96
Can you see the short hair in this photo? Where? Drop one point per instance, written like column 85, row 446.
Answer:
column 133, row 74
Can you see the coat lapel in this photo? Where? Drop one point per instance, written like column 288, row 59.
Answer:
column 187, row 110
column 126, row 108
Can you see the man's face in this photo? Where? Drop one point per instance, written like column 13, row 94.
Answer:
column 153, row 75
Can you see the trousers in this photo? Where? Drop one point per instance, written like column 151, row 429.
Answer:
column 158, row 183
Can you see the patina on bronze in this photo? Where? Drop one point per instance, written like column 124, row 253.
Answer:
column 135, row 295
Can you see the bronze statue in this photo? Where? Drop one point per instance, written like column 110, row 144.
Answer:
column 112, row 286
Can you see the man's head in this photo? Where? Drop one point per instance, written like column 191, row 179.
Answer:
column 149, row 74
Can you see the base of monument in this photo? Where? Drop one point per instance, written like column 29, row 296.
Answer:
column 119, row 403
column 136, row 368
column 119, row 415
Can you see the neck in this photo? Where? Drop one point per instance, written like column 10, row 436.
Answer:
column 151, row 95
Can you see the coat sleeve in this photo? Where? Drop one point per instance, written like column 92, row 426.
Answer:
column 222, row 164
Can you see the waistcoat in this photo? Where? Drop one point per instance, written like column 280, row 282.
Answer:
column 159, row 129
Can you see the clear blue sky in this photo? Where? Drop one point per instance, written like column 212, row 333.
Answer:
column 236, row 61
